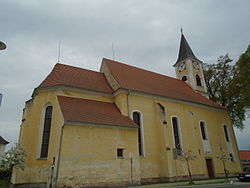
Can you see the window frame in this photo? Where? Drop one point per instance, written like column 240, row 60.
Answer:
column 118, row 156
column 41, row 133
column 179, row 133
column 231, row 156
column 226, row 133
column 205, row 133
column 162, row 111
column 198, row 80
column 141, row 132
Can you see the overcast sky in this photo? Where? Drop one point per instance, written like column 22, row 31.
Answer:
column 145, row 34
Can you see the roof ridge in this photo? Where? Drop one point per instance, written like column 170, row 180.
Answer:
column 161, row 76
column 76, row 67
column 63, row 74
column 112, row 61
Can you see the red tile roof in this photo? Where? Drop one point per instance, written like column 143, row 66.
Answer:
column 90, row 111
column 137, row 79
column 244, row 155
column 3, row 141
column 76, row 77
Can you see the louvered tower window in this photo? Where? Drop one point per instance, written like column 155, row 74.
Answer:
column 198, row 80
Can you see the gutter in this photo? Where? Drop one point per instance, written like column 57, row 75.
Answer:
column 88, row 124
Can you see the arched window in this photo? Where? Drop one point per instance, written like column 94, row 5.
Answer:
column 162, row 113
column 184, row 78
column 203, row 130
column 198, row 80
column 46, row 132
column 137, row 120
column 177, row 140
column 231, row 157
column 226, row 133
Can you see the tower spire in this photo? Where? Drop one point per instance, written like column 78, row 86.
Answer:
column 188, row 68
column 185, row 51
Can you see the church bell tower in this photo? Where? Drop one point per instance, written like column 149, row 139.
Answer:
column 188, row 68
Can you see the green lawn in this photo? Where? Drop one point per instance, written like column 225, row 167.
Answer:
column 3, row 183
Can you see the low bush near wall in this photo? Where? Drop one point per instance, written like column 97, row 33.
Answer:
column 4, row 173
column 3, row 183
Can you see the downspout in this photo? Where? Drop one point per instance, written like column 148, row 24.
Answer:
column 59, row 157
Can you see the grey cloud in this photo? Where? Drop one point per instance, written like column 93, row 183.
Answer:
column 145, row 34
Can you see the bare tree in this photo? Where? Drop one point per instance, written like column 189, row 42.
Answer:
column 223, row 157
column 187, row 156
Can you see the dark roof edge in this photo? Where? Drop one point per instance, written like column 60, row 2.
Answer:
column 90, row 124
column 62, row 86
column 195, row 59
column 173, row 99
column 160, row 74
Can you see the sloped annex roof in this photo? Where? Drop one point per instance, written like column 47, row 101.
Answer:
column 76, row 77
column 3, row 141
column 133, row 78
column 244, row 155
column 90, row 111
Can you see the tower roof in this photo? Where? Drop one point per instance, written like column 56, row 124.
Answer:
column 185, row 51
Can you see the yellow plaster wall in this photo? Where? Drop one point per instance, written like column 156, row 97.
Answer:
column 121, row 101
column 89, row 156
column 158, row 162
column 79, row 143
column 39, row 170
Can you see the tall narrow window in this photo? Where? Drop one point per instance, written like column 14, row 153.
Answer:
column 231, row 157
column 203, row 130
column 46, row 132
column 198, row 80
column 162, row 113
column 137, row 120
column 177, row 140
column 226, row 133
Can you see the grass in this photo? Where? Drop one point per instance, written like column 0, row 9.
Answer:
column 3, row 183
column 218, row 180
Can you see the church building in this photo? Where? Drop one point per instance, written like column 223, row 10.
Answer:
column 124, row 125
